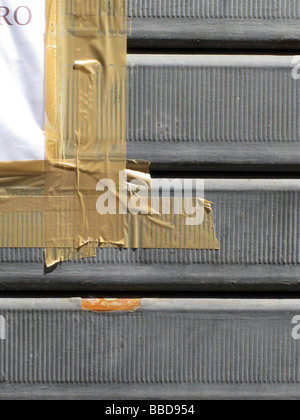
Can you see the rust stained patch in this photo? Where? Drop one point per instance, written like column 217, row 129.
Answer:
column 110, row 305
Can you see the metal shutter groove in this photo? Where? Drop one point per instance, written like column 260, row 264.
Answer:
column 257, row 223
column 213, row 24
column 186, row 112
column 166, row 349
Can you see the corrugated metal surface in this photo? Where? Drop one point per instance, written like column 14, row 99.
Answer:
column 257, row 224
column 191, row 112
column 272, row 24
column 185, row 113
column 166, row 349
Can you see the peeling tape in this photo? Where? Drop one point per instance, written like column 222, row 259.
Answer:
column 52, row 203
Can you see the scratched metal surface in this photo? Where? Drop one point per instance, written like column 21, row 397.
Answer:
column 199, row 24
column 180, row 349
column 257, row 224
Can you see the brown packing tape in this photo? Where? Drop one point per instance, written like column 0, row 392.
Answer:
column 138, row 166
column 171, row 230
column 52, row 203
column 55, row 256
column 91, row 69
column 87, row 54
column 51, row 81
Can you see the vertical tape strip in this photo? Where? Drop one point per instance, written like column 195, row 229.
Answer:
column 85, row 134
column 52, row 204
column 91, row 121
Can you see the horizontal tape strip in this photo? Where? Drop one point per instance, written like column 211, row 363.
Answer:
column 198, row 348
column 257, row 223
column 25, row 228
column 85, row 142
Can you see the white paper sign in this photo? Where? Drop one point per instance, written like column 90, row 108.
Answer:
column 22, row 56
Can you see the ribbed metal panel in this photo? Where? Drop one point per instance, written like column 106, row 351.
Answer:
column 212, row 99
column 189, row 349
column 214, row 23
column 214, row 9
column 257, row 224
column 191, row 111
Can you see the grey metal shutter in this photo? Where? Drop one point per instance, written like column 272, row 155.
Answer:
column 191, row 112
column 257, row 223
column 234, row 108
column 224, row 24
column 167, row 349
